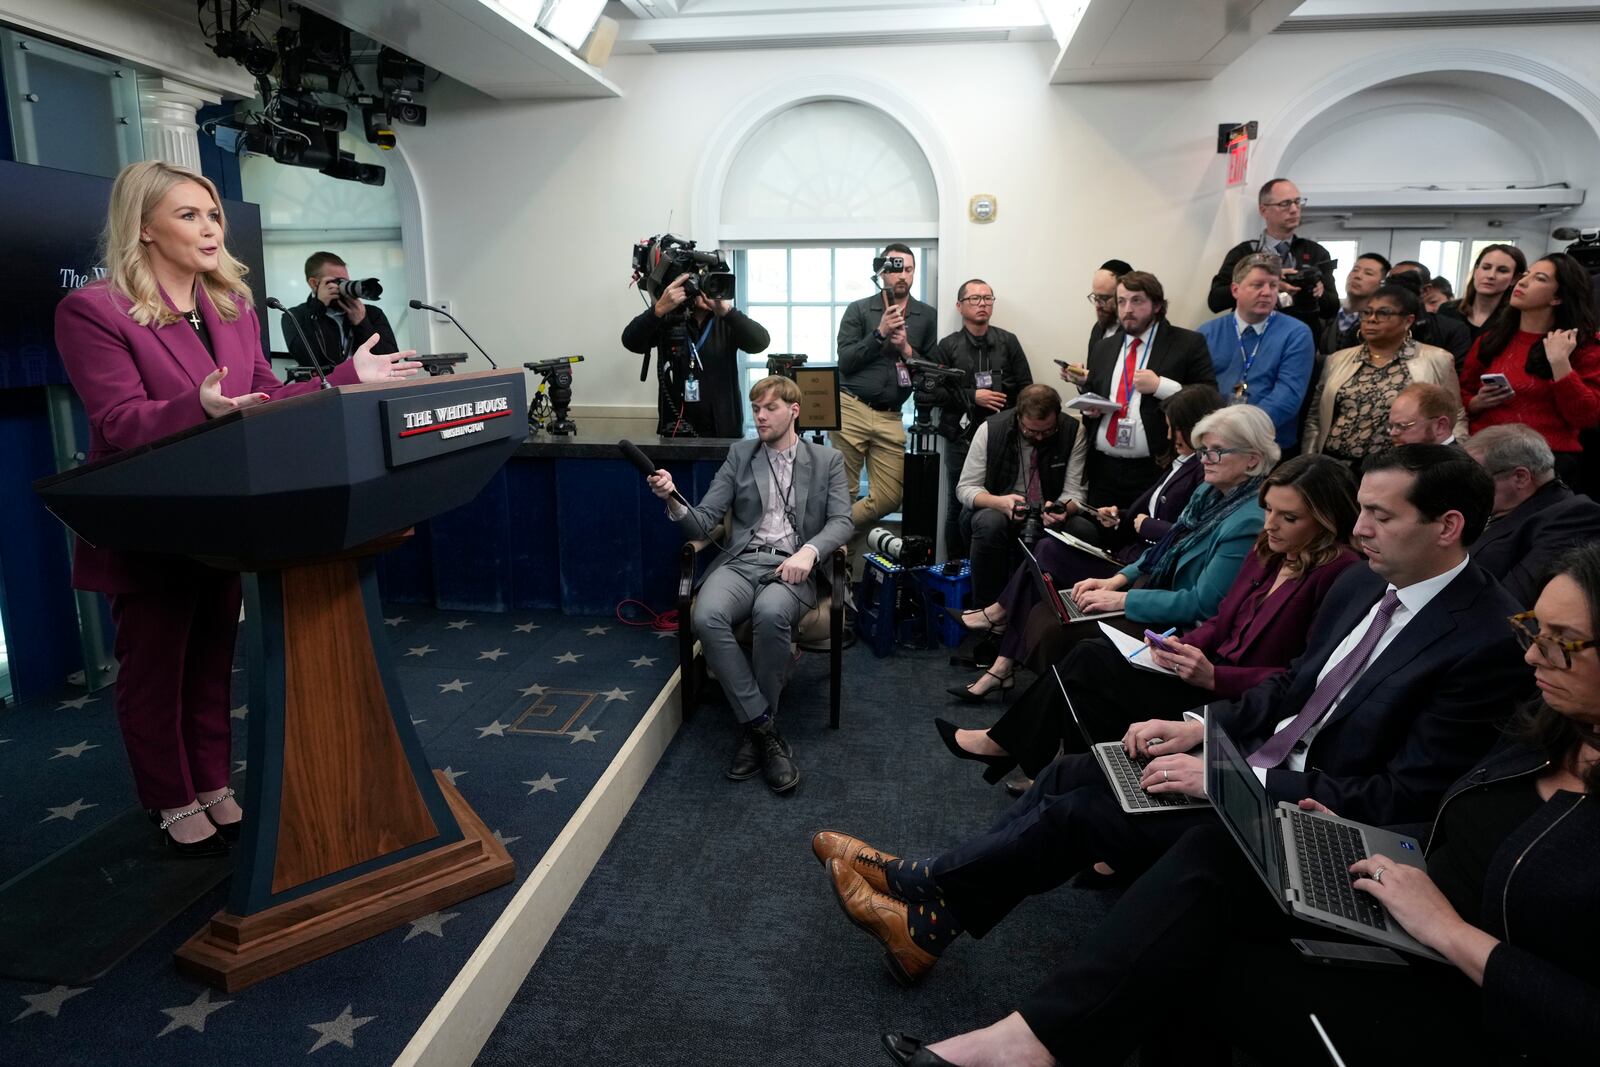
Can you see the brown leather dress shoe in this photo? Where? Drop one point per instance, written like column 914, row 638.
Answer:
column 855, row 853
column 884, row 918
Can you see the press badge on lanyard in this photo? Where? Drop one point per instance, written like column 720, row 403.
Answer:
column 983, row 379
column 1125, row 433
column 691, row 383
column 903, row 373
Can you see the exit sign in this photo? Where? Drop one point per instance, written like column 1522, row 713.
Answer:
column 1238, row 157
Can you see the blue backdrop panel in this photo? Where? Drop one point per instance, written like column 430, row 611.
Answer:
column 36, row 599
column 535, row 548
column 405, row 574
column 472, row 552
column 597, row 517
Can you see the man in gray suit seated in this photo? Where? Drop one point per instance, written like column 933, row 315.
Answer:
column 789, row 511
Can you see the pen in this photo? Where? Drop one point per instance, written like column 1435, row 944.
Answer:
column 1170, row 631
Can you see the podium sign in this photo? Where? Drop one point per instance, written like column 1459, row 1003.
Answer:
column 347, row 833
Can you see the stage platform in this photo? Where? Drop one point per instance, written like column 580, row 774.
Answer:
column 548, row 724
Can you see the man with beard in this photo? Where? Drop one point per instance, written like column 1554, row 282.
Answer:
column 789, row 510
column 1260, row 355
column 1150, row 360
column 877, row 334
column 1103, row 295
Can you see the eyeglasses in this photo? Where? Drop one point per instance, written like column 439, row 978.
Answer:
column 1397, row 428
column 1097, row 298
column 977, row 300
column 1214, row 455
column 1041, row 435
column 1555, row 651
column 1381, row 314
column 1285, row 205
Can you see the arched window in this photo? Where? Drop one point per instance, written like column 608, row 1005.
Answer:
column 809, row 195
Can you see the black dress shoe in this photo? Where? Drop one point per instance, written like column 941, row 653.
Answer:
column 777, row 759
column 908, row 1050
column 1018, row 784
column 995, row 767
column 746, row 758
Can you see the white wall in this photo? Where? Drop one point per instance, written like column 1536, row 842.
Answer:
column 532, row 208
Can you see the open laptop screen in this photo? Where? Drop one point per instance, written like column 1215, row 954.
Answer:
column 1238, row 797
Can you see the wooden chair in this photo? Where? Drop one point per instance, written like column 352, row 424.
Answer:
column 820, row 630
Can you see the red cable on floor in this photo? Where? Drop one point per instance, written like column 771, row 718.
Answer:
column 664, row 620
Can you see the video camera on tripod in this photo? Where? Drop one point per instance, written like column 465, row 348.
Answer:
column 928, row 379
column 547, row 412
column 1585, row 246
column 783, row 364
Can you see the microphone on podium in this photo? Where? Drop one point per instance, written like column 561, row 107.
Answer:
column 631, row 453
column 277, row 305
column 417, row 305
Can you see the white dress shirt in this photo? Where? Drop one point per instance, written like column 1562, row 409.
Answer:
column 1140, row 449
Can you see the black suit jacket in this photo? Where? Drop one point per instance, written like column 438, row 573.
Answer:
column 323, row 335
column 1519, row 547
column 1097, row 333
column 1157, row 522
column 1175, row 353
column 1420, row 715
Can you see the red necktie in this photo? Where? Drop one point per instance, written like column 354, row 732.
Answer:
column 1130, row 365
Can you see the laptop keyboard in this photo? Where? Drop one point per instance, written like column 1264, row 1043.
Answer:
column 1129, row 771
column 1326, row 850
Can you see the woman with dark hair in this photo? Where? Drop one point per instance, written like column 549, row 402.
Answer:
column 1131, row 532
column 1545, row 355
column 1261, row 624
column 1494, row 272
column 1349, row 418
column 1512, row 874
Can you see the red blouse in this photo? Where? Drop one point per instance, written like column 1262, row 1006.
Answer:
column 1557, row 409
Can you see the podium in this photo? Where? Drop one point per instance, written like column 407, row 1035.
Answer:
column 347, row 833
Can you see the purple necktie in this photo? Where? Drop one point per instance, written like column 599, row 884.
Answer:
column 1279, row 745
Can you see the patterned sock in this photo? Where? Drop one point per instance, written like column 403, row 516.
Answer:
column 760, row 720
column 932, row 925
column 910, row 880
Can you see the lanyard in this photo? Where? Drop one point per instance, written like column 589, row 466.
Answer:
column 1125, row 388
column 1248, row 359
column 696, row 346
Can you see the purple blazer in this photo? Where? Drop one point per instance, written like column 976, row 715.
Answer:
column 142, row 383
column 1155, row 527
column 1262, row 643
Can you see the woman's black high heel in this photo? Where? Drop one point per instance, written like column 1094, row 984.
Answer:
column 203, row 848
column 228, row 830
column 994, row 767
column 912, row 1052
column 960, row 614
column 965, row 694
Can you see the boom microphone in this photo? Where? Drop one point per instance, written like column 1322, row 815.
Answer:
column 277, row 305
column 631, row 453
column 417, row 305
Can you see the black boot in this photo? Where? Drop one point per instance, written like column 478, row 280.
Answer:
column 777, row 758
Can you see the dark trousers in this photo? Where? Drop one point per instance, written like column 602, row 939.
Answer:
column 1067, row 821
column 1115, row 479
column 174, row 652
column 1108, row 694
column 993, row 552
column 955, row 534
column 1195, row 952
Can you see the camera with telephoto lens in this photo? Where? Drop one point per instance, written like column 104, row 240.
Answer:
column 359, row 289
column 659, row 260
column 1585, row 246
column 906, row 551
column 1032, row 518
column 1305, row 279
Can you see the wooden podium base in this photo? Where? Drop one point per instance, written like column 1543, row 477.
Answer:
column 233, row 952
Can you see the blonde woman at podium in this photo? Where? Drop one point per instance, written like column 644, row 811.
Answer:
column 167, row 339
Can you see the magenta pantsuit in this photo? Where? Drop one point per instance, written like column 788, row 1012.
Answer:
column 176, row 618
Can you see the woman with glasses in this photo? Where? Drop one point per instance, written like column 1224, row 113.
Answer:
column 1506, row 897
column 1349, row 418
column 1541, row 361
column 1261, row 624
column 1494, row 272
column 1181, row 579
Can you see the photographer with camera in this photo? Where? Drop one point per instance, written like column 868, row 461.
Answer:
column 877, row 335
column 335, row 318
column 996, row 371
column 1309, row 292
column 699, row 334
column 1031, row 456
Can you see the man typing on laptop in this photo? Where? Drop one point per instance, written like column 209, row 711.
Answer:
column 1405, row 672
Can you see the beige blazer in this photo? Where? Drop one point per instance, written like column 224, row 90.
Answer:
column 1430, row 364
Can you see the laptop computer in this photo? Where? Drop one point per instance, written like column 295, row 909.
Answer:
column 1065, row 609
column 1083, row 546
column 1124, row 772
column 1304, row 857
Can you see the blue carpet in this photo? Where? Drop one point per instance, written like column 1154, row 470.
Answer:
column 525, row 711
column 708, row 933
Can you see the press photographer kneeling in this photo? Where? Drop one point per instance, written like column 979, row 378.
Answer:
column 1031, row 455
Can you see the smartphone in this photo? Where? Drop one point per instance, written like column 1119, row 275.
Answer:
column 1496, row 381
column 1343, row 954
column 1157, row 640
